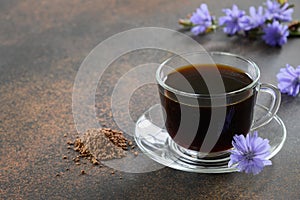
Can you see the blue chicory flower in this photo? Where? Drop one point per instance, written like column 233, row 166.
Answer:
column 275, row 33
column 256, row 18
column 233, row 20
column 250, row 153
column 201, row 19
column 277, row 11
column 289, row 80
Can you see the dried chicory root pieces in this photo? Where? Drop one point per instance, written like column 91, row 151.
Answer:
column 101, row 144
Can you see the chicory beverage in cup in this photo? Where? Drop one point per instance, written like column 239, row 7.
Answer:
column 238, row 117
column 207, row 101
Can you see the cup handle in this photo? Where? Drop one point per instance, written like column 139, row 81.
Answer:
column 274, row 106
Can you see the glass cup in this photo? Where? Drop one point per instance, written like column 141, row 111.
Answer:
column 202, row 125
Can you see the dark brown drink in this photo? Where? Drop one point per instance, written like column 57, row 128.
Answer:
column 239, row 109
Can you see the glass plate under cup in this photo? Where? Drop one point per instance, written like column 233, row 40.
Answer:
column 156, row 143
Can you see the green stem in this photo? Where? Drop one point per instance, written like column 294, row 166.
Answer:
column 185, row 23
column 294, row 29
column 294, row 34
column 282, row 1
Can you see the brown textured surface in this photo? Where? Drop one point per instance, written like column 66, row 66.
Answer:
column 42, row 44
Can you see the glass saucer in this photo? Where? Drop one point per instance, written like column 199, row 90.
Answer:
column 156, row 143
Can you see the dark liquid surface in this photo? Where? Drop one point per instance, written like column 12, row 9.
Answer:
column 188, row 123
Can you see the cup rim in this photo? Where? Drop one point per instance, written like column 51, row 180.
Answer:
column 187, row 94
